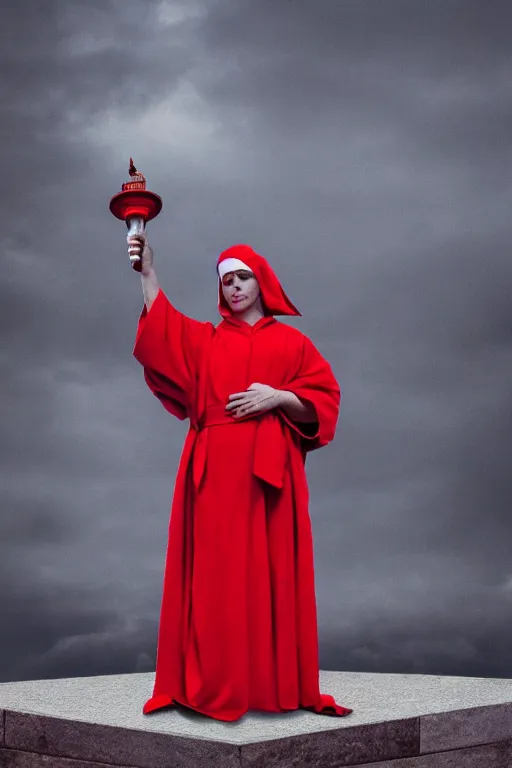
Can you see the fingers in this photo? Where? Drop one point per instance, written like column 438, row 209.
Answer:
column 237, row 396
column 236, row 406
column 136, row 239
column 245, row 410
column 233, row 406
column 250, row 407
column 136, row 244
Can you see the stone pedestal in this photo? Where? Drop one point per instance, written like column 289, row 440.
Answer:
column 399, row 721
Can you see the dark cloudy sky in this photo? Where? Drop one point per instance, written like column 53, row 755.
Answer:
column 365, row 148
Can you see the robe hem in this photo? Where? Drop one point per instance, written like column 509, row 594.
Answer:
column 326, row 706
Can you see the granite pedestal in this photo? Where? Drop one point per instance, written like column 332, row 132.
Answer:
column 399, row 721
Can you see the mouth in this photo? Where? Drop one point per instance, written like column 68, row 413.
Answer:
column 238, row 299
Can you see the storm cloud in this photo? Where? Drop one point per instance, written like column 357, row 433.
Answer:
column 365, row 149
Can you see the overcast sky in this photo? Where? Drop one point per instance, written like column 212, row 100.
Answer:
column 364, row 147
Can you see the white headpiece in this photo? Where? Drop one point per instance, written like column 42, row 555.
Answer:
column 230, row 265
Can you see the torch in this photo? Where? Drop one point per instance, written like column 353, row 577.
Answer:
column 136, row 205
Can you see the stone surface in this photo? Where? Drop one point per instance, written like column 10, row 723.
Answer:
column 396, row 718
column 329, row 749
column 486, row 756
column 115, row 746
column 11, row 758
column 462, row 728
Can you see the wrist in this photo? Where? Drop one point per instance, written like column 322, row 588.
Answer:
column 283, row 398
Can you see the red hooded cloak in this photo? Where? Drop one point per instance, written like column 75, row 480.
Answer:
column 238, row 623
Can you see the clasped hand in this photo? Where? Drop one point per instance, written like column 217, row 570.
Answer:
column 256, row 399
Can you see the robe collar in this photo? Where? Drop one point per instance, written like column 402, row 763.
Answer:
column 237, row 324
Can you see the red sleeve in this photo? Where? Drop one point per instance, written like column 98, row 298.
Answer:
column 315, row 383
column 168, row 346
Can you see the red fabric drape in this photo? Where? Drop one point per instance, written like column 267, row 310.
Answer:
column 238, row 623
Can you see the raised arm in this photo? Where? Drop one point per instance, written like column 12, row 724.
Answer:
column 168, row 344
column 140, row 251
column 150, row 287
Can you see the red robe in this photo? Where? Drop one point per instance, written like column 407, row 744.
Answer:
column 238, row 624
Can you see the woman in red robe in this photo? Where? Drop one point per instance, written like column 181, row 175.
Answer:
column 238, row 623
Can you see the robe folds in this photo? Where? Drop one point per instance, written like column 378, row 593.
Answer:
column 238, row 623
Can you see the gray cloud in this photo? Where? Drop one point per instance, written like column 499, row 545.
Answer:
column 365, row 149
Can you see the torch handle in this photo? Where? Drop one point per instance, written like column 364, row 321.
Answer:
column 136, row 226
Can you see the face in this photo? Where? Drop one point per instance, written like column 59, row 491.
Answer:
column 240, row 289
